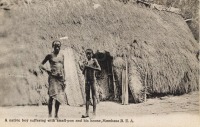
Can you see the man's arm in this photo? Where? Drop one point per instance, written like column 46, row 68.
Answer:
column 43, row 62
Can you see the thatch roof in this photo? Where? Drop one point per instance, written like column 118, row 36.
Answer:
column 164, row 51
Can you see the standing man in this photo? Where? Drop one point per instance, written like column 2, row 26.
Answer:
column 56, row 77
column 89, row 68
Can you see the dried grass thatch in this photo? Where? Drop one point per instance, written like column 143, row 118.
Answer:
column 164, row 53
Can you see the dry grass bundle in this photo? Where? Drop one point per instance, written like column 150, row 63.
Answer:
column 164, row 69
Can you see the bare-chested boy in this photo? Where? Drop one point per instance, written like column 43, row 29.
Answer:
column 89, row 68
column 56, row 77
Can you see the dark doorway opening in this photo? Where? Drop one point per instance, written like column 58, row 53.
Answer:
column 109, row 82
column 105, row 76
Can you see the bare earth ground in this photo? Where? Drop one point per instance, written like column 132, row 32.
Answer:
column 166, row 111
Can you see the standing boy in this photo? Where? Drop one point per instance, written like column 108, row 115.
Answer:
column 89, row 68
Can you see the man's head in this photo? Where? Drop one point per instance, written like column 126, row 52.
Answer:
column 89, row 53
column 56, row 46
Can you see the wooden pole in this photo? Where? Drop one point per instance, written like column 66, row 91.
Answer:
column 108, row 80
column 126, row 85
column 114, row 84
column 145, row 87
column 123, row 84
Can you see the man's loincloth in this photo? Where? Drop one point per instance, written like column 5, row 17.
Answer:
column 56, row 90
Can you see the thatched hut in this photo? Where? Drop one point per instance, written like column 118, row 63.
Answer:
column 158, row 47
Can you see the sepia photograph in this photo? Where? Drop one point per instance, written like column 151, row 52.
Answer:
column 126, row 63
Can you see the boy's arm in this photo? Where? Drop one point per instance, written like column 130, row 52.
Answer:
column 82, row 67
column 95, row 66
column 98, row 68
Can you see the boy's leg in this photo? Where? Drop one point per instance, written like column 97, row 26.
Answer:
column 94, row 96
column 87, row 91
column 87, row 108
column 57, row 105
column 50, row 106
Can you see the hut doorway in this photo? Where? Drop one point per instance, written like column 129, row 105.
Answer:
column 105, row 76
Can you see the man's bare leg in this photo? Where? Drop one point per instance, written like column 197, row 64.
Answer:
column 57, row 105
column 50, row 106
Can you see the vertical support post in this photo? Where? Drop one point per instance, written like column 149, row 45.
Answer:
column 114, row 84
column 125, row 84
column 145, row 88
column 108, row 71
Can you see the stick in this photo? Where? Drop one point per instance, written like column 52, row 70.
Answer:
column 143, row 2
column 114, row 85
column 188, row 20
column 145, row 87
column 126, row 85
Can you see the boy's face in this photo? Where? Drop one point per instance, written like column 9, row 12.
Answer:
column 89, row 55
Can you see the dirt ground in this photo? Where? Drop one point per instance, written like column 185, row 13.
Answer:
column 165, row 111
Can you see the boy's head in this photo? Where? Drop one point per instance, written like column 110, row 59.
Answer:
column 89, row 53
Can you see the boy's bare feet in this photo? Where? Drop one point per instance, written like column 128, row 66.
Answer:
column 85, row 116
column 50, row 115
